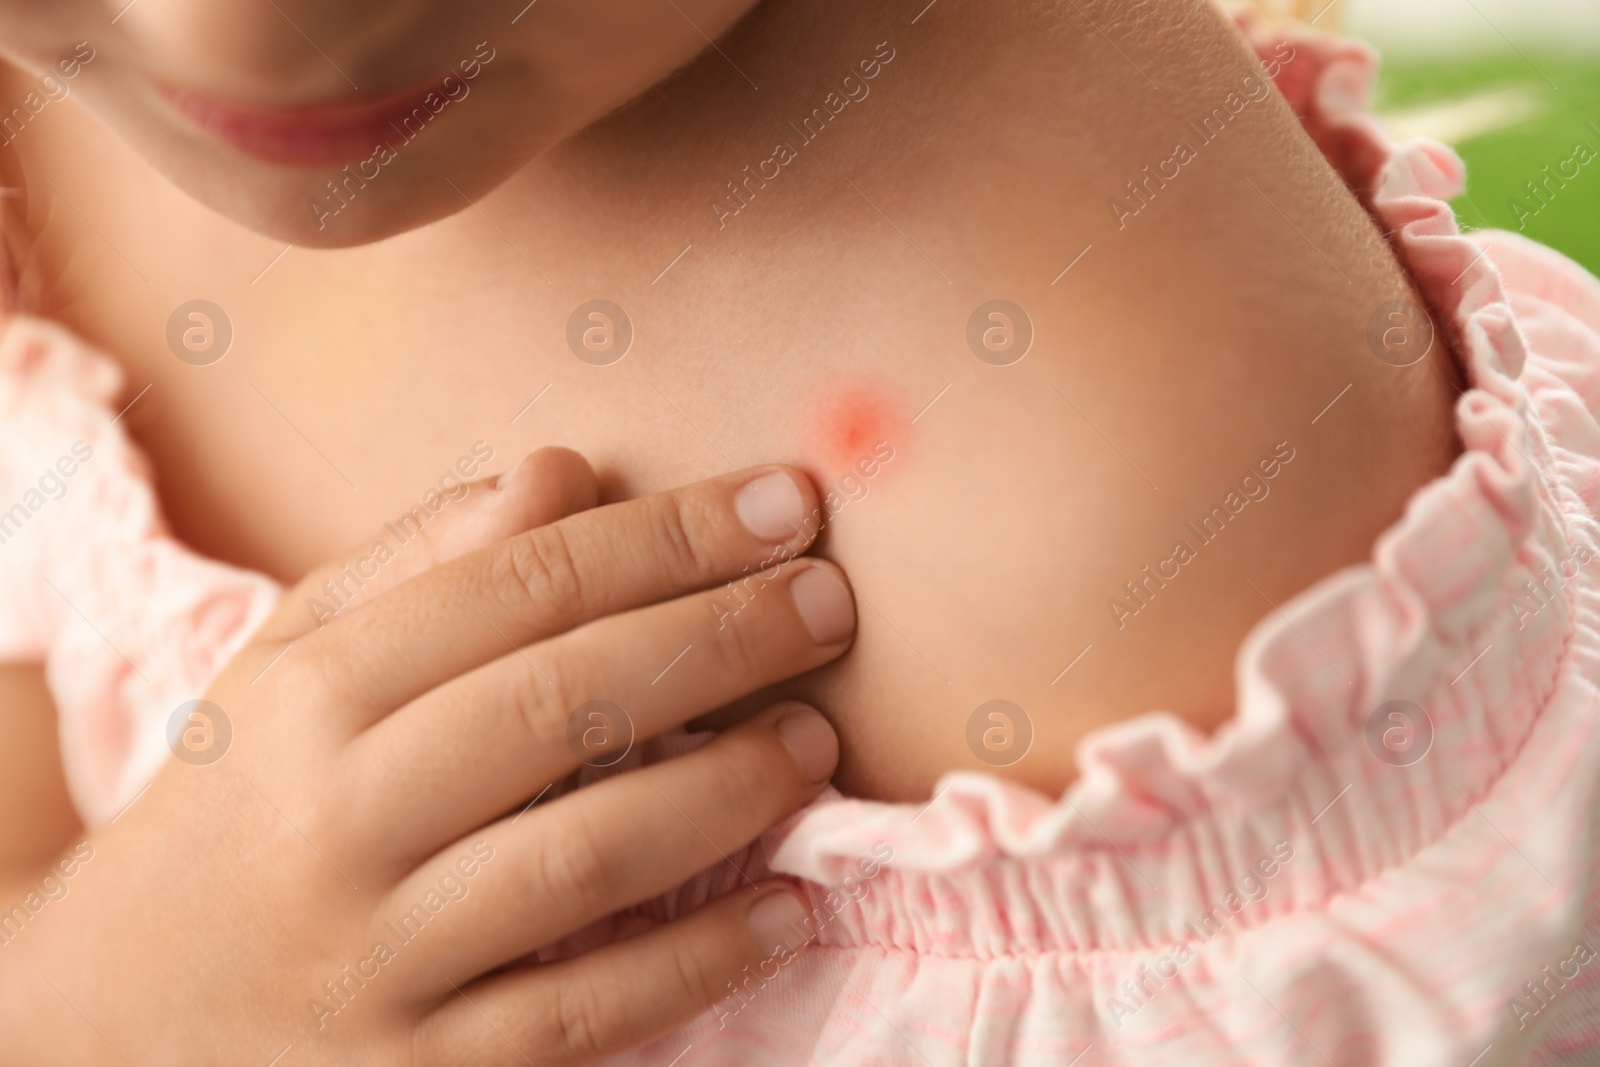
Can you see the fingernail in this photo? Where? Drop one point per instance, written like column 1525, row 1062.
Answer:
column 511, row 475
column 824, row 604
column 770, row 507
column 812, row 742
column 777, row 922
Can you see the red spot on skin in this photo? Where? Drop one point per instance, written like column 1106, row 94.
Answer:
column 855, row 436
column 853, row 420
column 856, row 425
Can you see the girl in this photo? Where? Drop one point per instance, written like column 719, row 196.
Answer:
column 1098, row 363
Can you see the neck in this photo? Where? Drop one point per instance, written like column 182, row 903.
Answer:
column 804, row 100
column 792, row 96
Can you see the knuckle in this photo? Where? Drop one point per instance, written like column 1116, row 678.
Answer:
column 431, row 551
column 579, row 1018
column 569, row 863
column 539, row 703
column 674, row 526
column 693, row 982
column 301, row 679
column 291, row 686
column 293, row 816
column 541, row 568
column 742, row 645
column 742, row 781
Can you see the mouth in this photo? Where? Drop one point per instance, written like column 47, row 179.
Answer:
column 307, row 135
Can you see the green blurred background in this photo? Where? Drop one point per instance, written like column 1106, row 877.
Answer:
column 1513, row 86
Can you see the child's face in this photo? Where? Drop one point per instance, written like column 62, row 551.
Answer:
column 407, row 107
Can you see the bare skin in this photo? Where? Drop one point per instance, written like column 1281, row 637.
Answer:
column 1176, row 354
column 31, row 777
column 1186, row 345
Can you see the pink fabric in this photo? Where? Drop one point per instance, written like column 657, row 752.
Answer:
column 1332, row 908
column 129, row 622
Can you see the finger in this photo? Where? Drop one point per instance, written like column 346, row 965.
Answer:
column 562, row 865
column 523, row 721
column 625, row 993
column 547, row 485
column 552, row 578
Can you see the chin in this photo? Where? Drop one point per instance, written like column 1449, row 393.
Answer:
column 332, row 206
column 281, row 210
column 397, row 187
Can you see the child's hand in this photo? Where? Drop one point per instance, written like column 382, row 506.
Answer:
column 355, row 880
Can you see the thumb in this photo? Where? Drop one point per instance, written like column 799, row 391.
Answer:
column 547, row 485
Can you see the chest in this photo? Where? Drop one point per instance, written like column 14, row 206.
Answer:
column 985, row 508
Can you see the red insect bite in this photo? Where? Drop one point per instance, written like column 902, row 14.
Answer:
column 853, row 422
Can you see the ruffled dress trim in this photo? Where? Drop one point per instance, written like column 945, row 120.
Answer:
column 130, row 622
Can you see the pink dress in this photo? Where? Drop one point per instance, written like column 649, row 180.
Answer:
column 1274, row 894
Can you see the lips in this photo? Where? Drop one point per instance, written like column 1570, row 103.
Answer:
column 305, row 136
